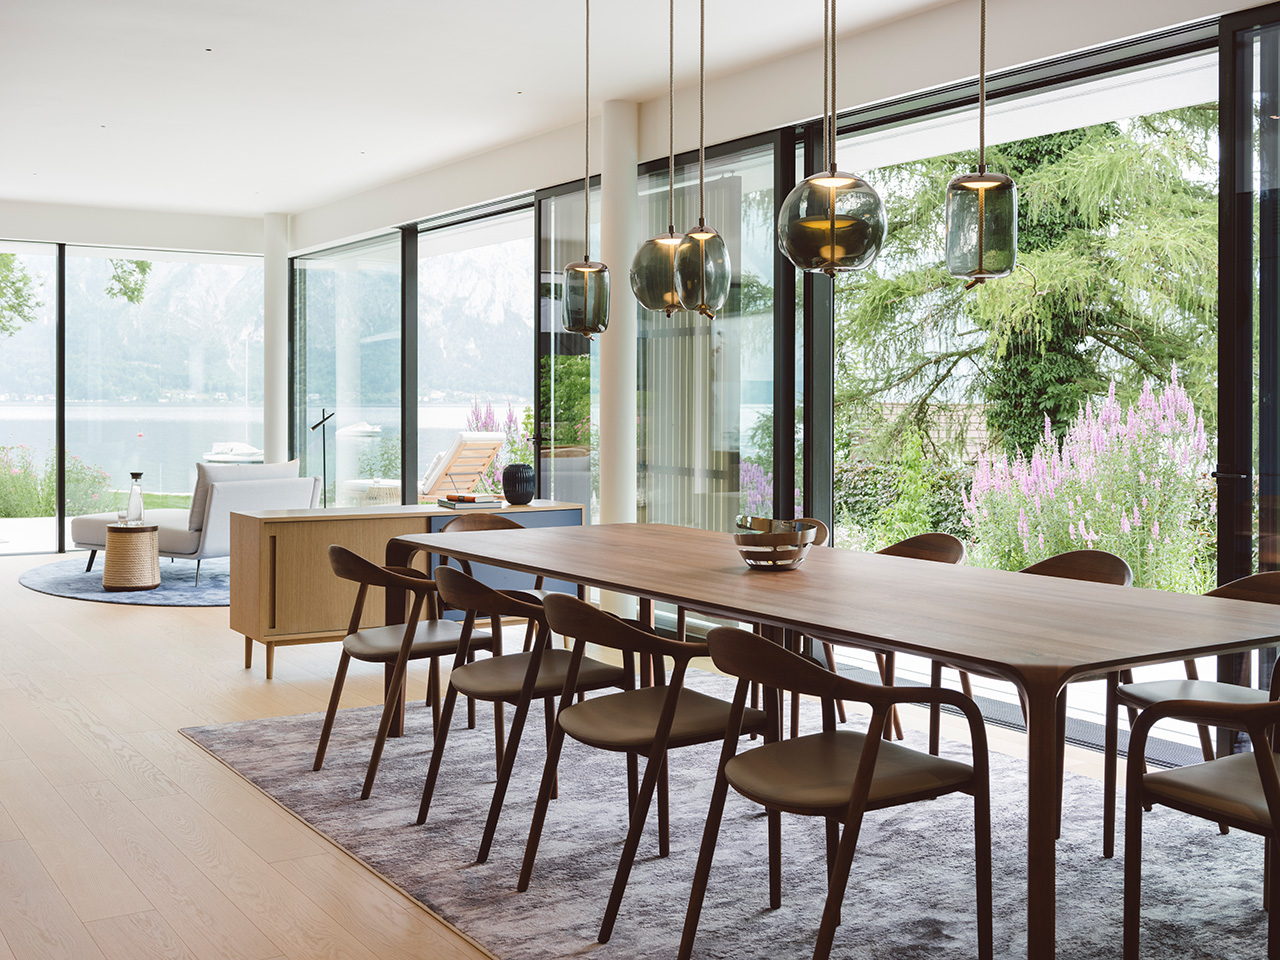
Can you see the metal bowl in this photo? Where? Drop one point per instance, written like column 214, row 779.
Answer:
column 768, row 544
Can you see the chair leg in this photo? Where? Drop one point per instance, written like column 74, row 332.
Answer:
column 433, row 692
column 652, row 768
column 471, row 701
column 982, row 871
column 702, row 873
column 633, row 779
column 664, row 807
column 775, row 858
column 836, row 888
column 504, row 778
column 549, row 714
column 1132, row 871
column 89, row 566
column 549, row 772
column 935, row 709
column 829, row 649
column 197, row 583
column 394, row 698
column 1110, row 752
column 437, row 752
column 341, row 676
column 499, row 734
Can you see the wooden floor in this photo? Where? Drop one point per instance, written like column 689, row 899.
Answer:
column 119, row 839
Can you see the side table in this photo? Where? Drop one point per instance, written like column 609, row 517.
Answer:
column 132, row 558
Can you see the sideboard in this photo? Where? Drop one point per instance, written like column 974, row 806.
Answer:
column 283, row 591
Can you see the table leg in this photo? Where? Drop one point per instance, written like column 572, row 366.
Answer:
column 1042, row 805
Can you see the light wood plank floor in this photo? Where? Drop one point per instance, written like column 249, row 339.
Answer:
column 121, row 840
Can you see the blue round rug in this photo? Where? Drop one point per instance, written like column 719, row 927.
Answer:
column 66, row 578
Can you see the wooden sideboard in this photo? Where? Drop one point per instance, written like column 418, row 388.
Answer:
column 282, row 589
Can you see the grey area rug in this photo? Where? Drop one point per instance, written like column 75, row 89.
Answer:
column 910, row 892
column 178, row 588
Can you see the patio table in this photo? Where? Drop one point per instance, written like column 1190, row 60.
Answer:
column 1038, row 632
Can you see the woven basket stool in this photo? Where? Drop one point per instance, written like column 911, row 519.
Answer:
column 133, row 558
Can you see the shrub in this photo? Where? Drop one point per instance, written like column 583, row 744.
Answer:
column 26, row 490
column 1133, row 481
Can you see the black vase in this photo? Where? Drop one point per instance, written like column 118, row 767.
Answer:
column 517, row 483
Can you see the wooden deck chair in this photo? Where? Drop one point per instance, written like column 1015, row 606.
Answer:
column 458, row 469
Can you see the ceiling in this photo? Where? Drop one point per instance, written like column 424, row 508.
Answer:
column 242, row 107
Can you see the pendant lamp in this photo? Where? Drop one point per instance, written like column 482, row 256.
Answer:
column 703, row 272
column 982, row 207
column 832, row 221
column 653, row 271
column 586, row 283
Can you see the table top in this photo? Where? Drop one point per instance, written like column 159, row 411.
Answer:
column 133, row 527
column 1031, row 629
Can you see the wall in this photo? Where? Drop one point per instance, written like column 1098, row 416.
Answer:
column 932, row 48
column 103, row 226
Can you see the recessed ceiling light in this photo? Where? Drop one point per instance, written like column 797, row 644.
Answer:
column 208, row 49
column 518, row 92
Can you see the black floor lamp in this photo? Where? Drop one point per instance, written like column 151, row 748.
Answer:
column 325, row 417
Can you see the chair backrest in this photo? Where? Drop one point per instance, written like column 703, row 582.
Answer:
column 458, row 469
column 1097, row 566
column 480, row 521
column 246, row 496
column 940, row 547
column 1260, row 588
column 349, row 565
column 572, row 617
column 463, row 592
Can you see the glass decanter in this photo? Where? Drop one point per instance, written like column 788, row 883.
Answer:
column 133, row 514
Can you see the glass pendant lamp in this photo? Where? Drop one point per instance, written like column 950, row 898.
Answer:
column 832, row 221
column 982, row 207
column 586, row 282
column 703, row 272
column 653, row 271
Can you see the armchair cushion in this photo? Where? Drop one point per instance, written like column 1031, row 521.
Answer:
column 207, row 473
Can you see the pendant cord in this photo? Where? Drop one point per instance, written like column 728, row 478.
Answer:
column 586, row 166
column 831, row 127
column 826, row 84
column 671, row 122
column 982, row 87
column 702, row 108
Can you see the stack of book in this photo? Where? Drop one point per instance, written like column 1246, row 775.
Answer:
column 470, row 501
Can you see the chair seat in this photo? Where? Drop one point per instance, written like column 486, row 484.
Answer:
column 816, row 773
column 432, row 638
column 1143, row 695
column 1224, row 789
column 502, row 678
column 628, row 720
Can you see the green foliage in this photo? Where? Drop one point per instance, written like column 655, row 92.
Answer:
column 1117, row 278
column 29, row 489
column 18, row 297
column 566, row 398
column 128, row 280
column 909, row 512
column 881, row 502
column 380, row 459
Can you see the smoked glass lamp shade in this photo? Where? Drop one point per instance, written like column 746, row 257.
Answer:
column 653, row 273
column 832, row 222
column 703, row 271
column 982, row 226
column 586, row 297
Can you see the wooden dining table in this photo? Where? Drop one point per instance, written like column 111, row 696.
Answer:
column 1037, row 632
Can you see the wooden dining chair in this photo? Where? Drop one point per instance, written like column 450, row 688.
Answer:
column 1121, row 690
column 516, row 678
column 934, row 546
column 393, row 646
column 650, row 720
column 837, row 774
column 1240, row 790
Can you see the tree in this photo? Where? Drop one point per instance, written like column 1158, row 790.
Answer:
column 18, row 300
column 1117, row 251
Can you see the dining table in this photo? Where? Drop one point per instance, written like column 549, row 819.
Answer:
column 1037, row 632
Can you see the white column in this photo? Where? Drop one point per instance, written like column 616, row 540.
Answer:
column 620, row 155
column 275, row 347
column 620, row 139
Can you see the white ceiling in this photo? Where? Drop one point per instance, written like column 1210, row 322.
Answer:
column 242, row 107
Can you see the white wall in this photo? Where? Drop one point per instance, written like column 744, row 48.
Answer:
column 916, row 53
column 145, row 229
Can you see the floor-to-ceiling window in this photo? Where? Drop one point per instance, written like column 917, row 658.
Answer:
column 347, row 369
column 164, row 369
column 28, row 411
column 476, row 335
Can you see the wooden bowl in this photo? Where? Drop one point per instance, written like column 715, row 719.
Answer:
column 767, row 544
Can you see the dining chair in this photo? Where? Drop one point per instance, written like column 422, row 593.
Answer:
column 837, row 774
column 516, row 678
column 393, row 646
column 1239, row 790
column 649, row 720
column 934, row 546
column 1260, row 588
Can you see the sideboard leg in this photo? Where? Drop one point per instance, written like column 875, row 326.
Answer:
column 271, row 659
column 248, row 652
